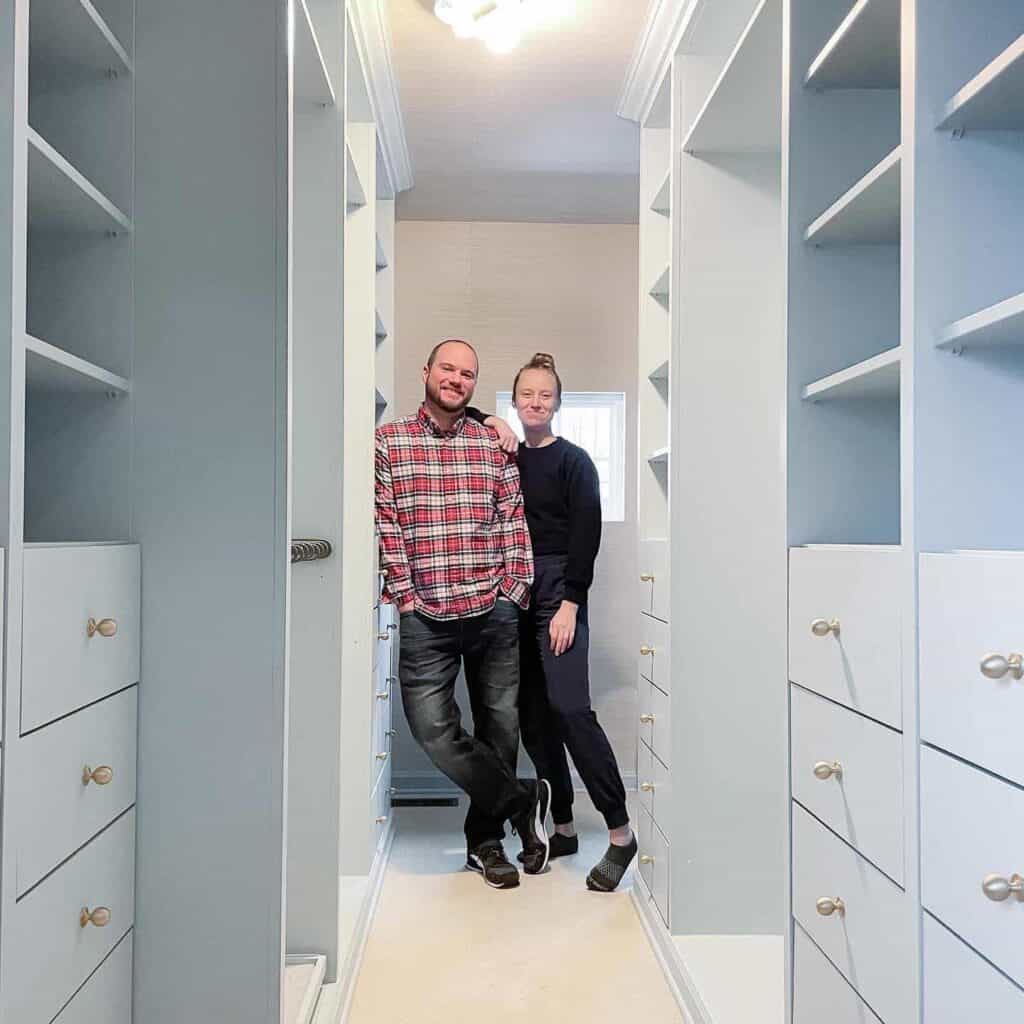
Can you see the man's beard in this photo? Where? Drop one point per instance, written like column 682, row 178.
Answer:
column 447, row 401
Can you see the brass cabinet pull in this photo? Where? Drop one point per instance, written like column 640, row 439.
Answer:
column 647, row 787
column 391, row 733
column 645, row 650
column 105, row 627
column 99, row 917
column 646, row 858
column 829, row 905
column 822, row 627
column 647, row 577
column 383, row 818
column 102, row 776
column 382, row 636
column 647, row 719
column 825, row 770
column 383, row 756
column 384, row 695
column 999, row 889
column 995, row 666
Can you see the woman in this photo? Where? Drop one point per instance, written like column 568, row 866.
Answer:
column 561, row 494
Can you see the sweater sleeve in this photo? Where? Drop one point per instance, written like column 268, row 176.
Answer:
column 584, row 498
column 476, row 414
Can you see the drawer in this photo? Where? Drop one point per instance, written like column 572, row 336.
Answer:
column 860, row 589
column 960, row 987
column 64, row 668
column 106, row 997
column 658, row 850
column 50, row 955
column 971, row 607
column 864, row 802
column 644, row 841
column 972, row 827
column 56, row 810
column 820, row 993
column 654, row 578
column 871, row 943
column 655, row 720
column 645, row 777
column 381, row 806
column 653, row 654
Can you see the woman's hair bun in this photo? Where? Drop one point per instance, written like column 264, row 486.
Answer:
column 542, row 361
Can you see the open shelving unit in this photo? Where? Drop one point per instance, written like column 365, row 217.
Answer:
column 662, row 202
column 994, row 98
column 48, row 368
column 660, row 373
column 864, row 52
column 312, row 78
column 1001, row 324
column 878, row 377
column 660, row 290
column 73, row 34
column 659, row 457
column 380, row 332
column 354, row 191
column 381, row 259
column 868, row 214
column 737, row 115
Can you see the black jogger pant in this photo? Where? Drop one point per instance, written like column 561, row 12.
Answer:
column 554, row 705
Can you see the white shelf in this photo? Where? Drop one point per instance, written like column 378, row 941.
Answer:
column 62, row 199
column 659, row 457
column 994, row 98
column 312, row 79
column 48, row 368
column 1001, row 324
column 379, row 400
column 662, row 202
column 868, row 214
column 743, row 112
column 661, row 288
column 659, row 373
column 864, row 52
column 72, row 33
column 381, row 331
column 381, row 258
column 878, row 377
column 353, row 186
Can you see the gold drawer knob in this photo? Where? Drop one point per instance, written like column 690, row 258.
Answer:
column 646, row 858
column 645, row 650
column 99, row 917
column 105, row 627
column 647, row 719
column 383, row 696
column 822, row 627
column 382, row 636
column 647, row 577
column 829, row 905
column 383, row 818
column 102, row 776
column 995, row 666
column 647, row 787
column 826, row 770
column 391, row 733
column 383, row 756
column 999, row 889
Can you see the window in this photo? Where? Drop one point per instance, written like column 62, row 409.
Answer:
column 596, row 421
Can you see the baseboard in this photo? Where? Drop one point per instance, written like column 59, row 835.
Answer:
column 680, row 984
column 349, row 974
column 423, row 785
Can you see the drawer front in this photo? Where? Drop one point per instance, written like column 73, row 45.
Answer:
column 50, row 954
column 860, row 589
column 106, row 997
column 654, row 579
column 645, row 845
column 871, row 943
column 662, row 808
column 57, row 811
column 971, row 607
column 645, row 777
column 653, row 654
column 64, row 668
column 381, row 806
column 655, row 720
column 960, row 988
column 820, row 993
column 864, row 801
column 659, row 850
column 972, row 827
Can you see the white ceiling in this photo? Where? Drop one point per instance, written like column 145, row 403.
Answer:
column 530, row 135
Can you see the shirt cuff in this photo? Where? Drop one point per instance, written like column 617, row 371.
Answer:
column 578, row 595
column 516, row 590
column 399, row 595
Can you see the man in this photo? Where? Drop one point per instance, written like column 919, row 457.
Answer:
column 456, row 555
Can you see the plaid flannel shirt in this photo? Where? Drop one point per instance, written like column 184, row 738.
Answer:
column 453, row 534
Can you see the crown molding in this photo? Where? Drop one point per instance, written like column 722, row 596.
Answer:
column 666, row 23
column 373, row 36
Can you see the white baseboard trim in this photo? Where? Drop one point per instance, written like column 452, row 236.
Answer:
column 349, row 974
column 676, row 975
column 424, row 785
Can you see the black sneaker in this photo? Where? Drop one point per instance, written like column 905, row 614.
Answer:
column 559, row 846
column 530, row 827
column 607, row 873
column 490, row 861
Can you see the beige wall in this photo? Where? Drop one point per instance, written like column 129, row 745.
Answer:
column 512, row 290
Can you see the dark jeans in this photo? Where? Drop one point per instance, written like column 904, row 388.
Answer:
column 554, row 705
column 484, row 764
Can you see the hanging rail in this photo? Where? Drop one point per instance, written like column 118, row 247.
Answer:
column 310, row 550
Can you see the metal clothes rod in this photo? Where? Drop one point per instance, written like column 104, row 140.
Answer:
column 304, row 550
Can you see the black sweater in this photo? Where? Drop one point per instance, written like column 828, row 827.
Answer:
column 562, row 498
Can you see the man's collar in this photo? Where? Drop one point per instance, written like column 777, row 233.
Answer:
column 434, row 427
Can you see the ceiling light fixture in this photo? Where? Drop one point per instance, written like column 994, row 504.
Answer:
column 499, row 23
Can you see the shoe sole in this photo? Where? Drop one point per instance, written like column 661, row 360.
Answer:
column 540, row 815
column 470, row 866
